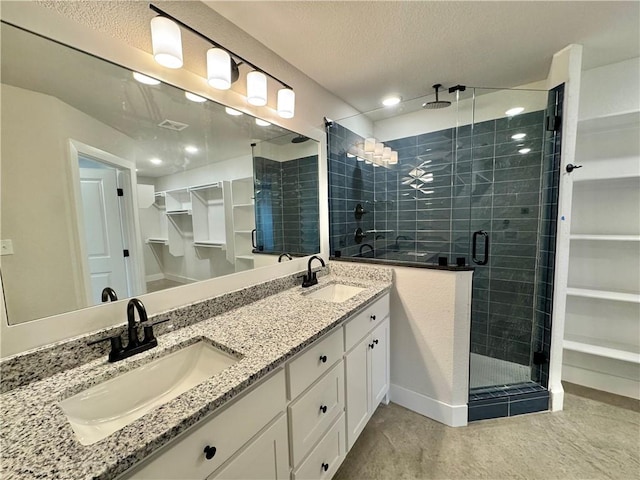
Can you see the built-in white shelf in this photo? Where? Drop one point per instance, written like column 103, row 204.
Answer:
column 604, row 295
column 244, row 205
column 209, row 244
column 161, row 241
column 606, row 238
column 244, row 232
column 178, row 212
column 602, row 351
column 605, row 123
column 245, row 257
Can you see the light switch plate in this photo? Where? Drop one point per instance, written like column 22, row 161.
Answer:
column 6, row 247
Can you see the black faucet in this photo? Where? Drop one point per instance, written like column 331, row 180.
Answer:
column 310, row 278
column 108, row 295
column 282, row 255
column 396, row 246
column 134, row 345
column 372, row 251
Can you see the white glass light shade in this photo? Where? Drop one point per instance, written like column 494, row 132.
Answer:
column 368, row 158
column 394, row 158
column 286, row 102
column 218, row 69
column 257, row 88
column 386, row 153
column 167, row 42
column 377, row 153
column 360, row 153
column 369, row 145
column 262, row 123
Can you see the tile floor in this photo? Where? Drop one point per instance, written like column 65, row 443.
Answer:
column 593, row 438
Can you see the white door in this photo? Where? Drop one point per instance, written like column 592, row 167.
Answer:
column 103, row 231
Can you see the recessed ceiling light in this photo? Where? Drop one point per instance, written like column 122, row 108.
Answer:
column 155, row 161
column 194, row 98
column 514, row 111
column 262, row 123
column 144, row 79
column 518, row 136
column 191, row 149
column 524, row 150
column 231, row 111
column 390, row 101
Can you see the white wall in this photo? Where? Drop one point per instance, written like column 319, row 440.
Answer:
column 44, row 274
column 430, row 335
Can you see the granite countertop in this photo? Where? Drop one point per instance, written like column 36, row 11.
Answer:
column 37, row 441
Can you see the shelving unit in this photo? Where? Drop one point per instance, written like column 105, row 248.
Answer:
column 158, row 227
column 178, row 201
column 207, row 203
column 602, row 325
column 244, row 222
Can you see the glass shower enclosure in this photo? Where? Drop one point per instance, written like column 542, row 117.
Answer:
column 476, row 184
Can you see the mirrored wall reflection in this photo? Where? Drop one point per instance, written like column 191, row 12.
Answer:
column 114, row 181
column 286, row 196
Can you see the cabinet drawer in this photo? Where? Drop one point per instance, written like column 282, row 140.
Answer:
column 329, row 454
column 312, row 413
column 227, row 431
column 313, row 362
column 363, row 322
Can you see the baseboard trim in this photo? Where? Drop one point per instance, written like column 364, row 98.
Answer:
column 179, row 278
column 155, row 277
column 451, row 415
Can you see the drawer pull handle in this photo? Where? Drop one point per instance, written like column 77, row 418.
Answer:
column 325, row 466
column 323, row 358
column 375, row 341
column 323, row 408
column 373, row 317
column 209, row 452
column 372, row 346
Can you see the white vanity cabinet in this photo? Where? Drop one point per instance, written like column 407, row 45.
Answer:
column 204, row 448
column 299, row 423
column 366, row 365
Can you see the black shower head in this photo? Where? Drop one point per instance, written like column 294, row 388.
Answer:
column 437, row 103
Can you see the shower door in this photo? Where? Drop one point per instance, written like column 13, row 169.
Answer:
column 506, row 153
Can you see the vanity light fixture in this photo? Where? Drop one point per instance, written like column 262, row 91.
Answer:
column 139, row 77
column 233, row 112
column 262, row 123
column 518, row 136
column 191, row 149
column 194, row 98
column 222, row 63
column 524, row 150
column 166, row 41
column 155, row 161
column 514, row 111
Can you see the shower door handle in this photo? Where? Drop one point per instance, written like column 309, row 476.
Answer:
column 254, row 238
column 485, row 259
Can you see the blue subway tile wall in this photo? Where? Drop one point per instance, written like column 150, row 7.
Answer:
column 287, row 206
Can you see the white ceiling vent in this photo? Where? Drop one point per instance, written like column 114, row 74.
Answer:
column 173, row 125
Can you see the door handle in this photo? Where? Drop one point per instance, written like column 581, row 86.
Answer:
column 254, row 240
column 485, row 259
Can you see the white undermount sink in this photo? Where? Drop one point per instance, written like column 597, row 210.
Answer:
column 336, row 292
column 105, row 408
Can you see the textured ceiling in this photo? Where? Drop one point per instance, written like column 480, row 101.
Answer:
column 361, row 50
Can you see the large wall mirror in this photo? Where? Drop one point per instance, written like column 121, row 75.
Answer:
column 108, row 181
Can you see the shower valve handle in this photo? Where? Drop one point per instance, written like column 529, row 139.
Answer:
column 571, row 167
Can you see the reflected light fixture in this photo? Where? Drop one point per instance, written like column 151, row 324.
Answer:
column 514, row 111
column 166, row 41
column 518, row 136
column 233, row 112
column 222, row 63
column 391, row 101
column 191, row 149
column 524, row 150
column 262, row 123
column 139, row 77
column 155, row 161
column 194, row 98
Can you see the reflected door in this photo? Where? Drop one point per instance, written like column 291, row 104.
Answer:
column 103, row 231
